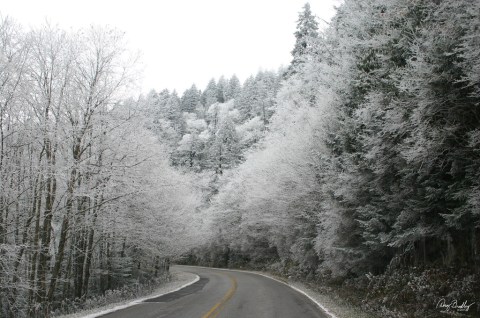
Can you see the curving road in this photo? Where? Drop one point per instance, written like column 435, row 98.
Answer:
column 226, row 294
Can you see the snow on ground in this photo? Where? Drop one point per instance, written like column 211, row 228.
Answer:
column 179, row 281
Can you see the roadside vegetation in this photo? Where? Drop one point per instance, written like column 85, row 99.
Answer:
column 355, row 169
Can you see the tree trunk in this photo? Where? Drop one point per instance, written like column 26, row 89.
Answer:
column 51, row 186
column 36, row 237
column 63, row 235
column 89, row 249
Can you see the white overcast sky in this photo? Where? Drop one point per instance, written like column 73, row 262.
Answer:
column 186, row 41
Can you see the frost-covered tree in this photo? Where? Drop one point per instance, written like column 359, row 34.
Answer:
column 190, row 100
column 441, row 98
column 76, row 218
column 394, row 161
column 225, row 150
column 191, row 148
column 174, row 113
column 245, row 101
column 221, row 89
column 210, row 94
column 267, row 85
column 305, row 35
column 233, row 89
column 258, row 96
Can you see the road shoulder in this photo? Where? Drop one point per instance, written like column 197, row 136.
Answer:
column 180, row 279
column 332, row 305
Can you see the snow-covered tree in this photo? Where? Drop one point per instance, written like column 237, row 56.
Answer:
column 210, row 94
column 305, row 35
column 233, row 89
column 190, row 100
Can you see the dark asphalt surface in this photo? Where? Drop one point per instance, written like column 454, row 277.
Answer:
column 226, row 294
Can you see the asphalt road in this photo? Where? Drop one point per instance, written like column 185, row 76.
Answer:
column 226, row 294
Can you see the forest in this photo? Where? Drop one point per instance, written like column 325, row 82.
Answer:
column 355, row 168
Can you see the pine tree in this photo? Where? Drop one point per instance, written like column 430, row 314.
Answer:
column 221, row 89
column 174, row 113
column 443, row 116
column 266, row 88
column 306, row 33
column 233, row 88
column 245, row 101
column 210, row 95
column 190, row 99
column 225, row 149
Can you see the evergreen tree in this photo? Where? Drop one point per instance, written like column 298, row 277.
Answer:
column 225, row 150
column 174, row 113
column 190, row 150
column 163, row 98
column 444, row 114
column 190, row 99
column 210, row 94
column 266, row 88
column 245, row 101
column 233, row 89
column 221, row 89
column 306, row 33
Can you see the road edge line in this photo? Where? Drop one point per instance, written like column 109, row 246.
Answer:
column 140, row 300
column 323, row 308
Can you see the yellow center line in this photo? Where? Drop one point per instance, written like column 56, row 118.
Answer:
column 215, row 310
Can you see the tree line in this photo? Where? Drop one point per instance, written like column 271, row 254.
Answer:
column 369, row 169
column 355, row 166
column 210, row 130
column 80, row 212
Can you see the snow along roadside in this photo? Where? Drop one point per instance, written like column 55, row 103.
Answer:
column 310, row 294
column 182, row 280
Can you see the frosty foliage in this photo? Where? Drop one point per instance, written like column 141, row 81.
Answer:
column 370, row 159
column 88, row 199
column 356, row 166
